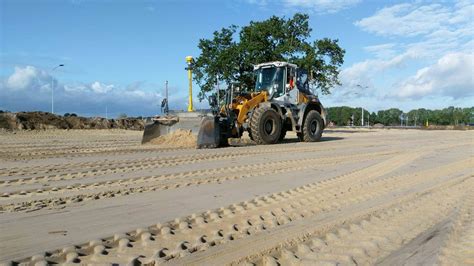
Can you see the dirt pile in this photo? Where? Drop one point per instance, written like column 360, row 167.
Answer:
column 45, row 120
column 178, row 139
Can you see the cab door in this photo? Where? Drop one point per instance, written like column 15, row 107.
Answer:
column 291, row 91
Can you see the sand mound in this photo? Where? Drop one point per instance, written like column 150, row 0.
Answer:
column 45, row 120
column 185, row 139
column 180, row 138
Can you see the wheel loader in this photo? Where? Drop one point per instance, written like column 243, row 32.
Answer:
column 281, row 101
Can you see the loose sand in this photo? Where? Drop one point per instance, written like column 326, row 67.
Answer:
column 177, row 139
column 185, row 139
column 357, row 197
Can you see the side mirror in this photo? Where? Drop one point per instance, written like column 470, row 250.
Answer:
column 212, row 101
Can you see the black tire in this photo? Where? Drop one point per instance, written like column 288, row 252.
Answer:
column 300, row 136
column 224, row 142
column 265, row 125
column 312, row 127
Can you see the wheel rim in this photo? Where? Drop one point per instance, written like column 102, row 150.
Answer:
column 268, row 126
column 313, row 127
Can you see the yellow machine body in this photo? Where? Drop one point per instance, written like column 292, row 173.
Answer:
column 243, row 105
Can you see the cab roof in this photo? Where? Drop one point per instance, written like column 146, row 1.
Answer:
column 274, row 64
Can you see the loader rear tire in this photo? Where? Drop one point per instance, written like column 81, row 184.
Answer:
column 265, row 125
column 312, row 127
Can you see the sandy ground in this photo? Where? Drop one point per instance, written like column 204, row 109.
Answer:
column 388, row 197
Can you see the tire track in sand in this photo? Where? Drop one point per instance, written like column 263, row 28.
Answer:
column 131, row 186
column 365, row 241
column 184, row 236
column 458, row 248
column 106, row 167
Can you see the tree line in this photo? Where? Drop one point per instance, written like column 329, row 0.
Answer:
column 350, row 116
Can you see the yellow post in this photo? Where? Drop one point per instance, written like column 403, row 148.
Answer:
column 189, row 61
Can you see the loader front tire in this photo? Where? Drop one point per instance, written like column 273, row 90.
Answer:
column 265, row 125
column 312, row 127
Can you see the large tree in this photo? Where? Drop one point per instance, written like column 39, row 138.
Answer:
column 230, row 55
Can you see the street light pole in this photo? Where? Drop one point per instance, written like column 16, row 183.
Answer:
column 368, row 119
column 52, row 88
column 362, row 108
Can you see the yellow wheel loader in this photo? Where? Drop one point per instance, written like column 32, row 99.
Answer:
column 281, row 101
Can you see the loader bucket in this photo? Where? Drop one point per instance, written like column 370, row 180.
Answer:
column 158, row 127
column 209, row 135
column 168, row 124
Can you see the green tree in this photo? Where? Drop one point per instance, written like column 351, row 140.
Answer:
column 390, row 117
column 341, row 116
column 274, row 39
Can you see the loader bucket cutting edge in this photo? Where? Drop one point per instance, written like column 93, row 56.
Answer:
column 209, row 133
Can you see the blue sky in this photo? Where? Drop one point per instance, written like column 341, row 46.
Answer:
column 118, row 54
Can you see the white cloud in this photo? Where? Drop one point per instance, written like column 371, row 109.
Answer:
column 316, row 6
column 451, row 75
column 101, row 88
column 362, row 73
column 258, row 2
column 385, row 50
column 437, row 36
column 28, row 88
column 407, row 20
column 322, row 6
column 436, row 22
column 27, row 77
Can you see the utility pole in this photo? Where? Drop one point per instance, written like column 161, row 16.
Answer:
column 362, row 109
column 368, row 120
column 52, row 88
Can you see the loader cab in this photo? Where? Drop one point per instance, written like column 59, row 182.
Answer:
column 270, row 78
column 277, row 78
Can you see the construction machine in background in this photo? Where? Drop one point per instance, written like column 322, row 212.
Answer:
column 281, row 101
